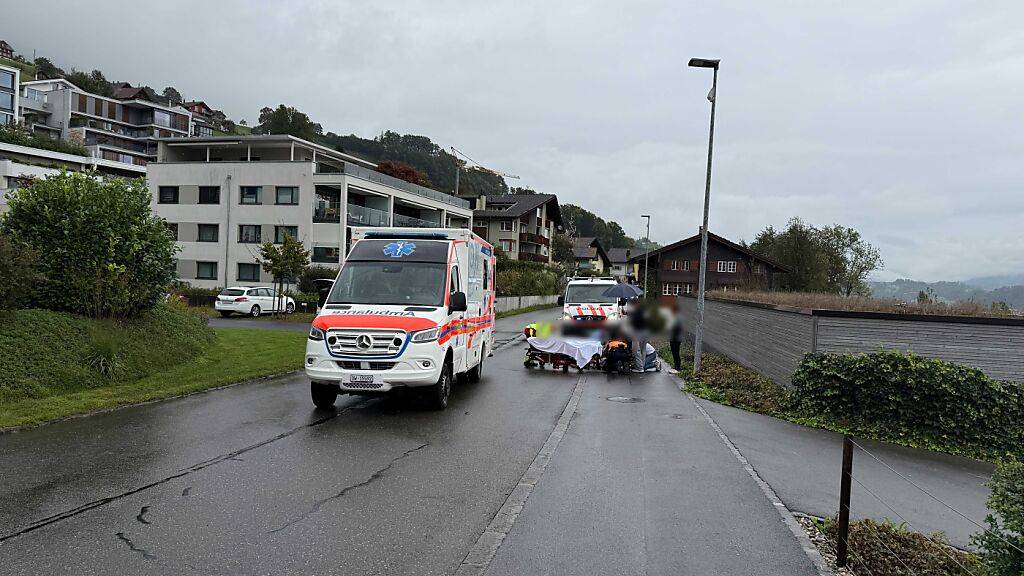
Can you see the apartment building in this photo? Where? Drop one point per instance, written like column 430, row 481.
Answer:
column 522, row 225
column 124, row 128
column 223, row 196
column 9, row 80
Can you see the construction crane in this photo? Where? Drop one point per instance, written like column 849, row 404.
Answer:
column 458, row 169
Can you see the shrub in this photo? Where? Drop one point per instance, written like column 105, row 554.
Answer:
column 104, row 352
column 522, row 278
column 18, row 274
column 918, row 401
column 101, row 249
column 1002, row 544
column 726, row 382
column 21, row 136
column 887, row 549
column 315, row 272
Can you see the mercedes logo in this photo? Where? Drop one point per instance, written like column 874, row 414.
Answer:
column 364, row 342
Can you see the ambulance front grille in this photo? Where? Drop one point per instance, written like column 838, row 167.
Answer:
column 366, row 342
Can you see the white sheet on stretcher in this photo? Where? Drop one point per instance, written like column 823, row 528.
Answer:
column 580, row 349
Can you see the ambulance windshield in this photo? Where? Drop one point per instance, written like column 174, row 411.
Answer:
column 588, row 294
column 381, row 282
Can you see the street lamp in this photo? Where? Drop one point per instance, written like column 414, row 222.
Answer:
column 647, row 250
column 712, row 97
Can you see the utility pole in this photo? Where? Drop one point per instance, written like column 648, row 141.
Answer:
column 698, row 340
column 647, row 251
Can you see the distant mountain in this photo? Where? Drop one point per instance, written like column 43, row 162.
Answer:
column 949, row 292
column 997, row 281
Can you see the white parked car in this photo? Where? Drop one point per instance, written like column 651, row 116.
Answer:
column 251, row 301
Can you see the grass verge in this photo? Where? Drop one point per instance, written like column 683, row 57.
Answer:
column 533, row 308
column 235, row 355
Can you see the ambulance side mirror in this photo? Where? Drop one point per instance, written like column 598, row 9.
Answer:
column 457, row 302
column 561, row 301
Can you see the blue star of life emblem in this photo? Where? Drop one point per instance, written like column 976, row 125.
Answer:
column 399, row 249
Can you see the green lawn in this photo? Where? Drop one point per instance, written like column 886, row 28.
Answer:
column 507, row 313
column 236, row 355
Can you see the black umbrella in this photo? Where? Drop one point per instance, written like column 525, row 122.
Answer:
column 623, row 290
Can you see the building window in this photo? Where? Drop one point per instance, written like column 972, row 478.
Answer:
column 688, row 288
column 168, row 195
column 287, row 195
column 206, row 270
column 686, row 267
column 666, row 289
column 248, row 272
column 281, row 231
column 326, row 254
column 249, row 233
column 7, row 101
column 208, row 232
column 675, row 265
column 250, row 194
column 7, row 79
column 508, row 226
column 209, row 194
column 758, row 268
column 726, row 265
column 172, row 227
column 508, row 245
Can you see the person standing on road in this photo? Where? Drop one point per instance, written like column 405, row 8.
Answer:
column 675, row 334
column 641, row 333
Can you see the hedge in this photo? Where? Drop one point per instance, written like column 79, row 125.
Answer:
column 523, row 278
column 1002, row 545
column 920, row 401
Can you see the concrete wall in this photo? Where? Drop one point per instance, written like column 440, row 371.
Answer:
column 506, row 303
column 773, row 341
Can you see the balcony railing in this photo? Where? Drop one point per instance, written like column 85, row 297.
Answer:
column 532, row 238
column 366, row 216
column 403, row 221
column 374, row 176
column 326, row 212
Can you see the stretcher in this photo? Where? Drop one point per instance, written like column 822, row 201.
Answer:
column 579, row 353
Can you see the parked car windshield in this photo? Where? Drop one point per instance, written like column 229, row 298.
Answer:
column 406, row 283
column 231, row 292
column 588, row 293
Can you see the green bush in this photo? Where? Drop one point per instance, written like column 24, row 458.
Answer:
column 726, row 382
column 315, row 272
column 21, row 136
column 522, row 278
column 18, row 274
column 1001, row 546
column 874, row 548
column 919, row 401
column 43, row 353
column 101, row 249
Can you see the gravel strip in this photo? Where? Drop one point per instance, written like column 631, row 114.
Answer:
column 824, row 546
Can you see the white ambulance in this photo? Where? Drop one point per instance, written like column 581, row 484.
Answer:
column 584, row 300
column 410, row 308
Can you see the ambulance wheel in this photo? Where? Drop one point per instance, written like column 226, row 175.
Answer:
column 323, row 395
column 565, row 368
column 437, row 395
column 478, row 370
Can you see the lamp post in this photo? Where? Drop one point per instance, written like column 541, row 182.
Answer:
column 647, row 250
column 713, row 97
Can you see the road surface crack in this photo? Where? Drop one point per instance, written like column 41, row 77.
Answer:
column 324, row 501
column 131, row 546
column 179, row 474
column 142, row 515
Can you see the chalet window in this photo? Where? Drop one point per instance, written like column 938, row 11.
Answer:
column 674, row 264
column 727, row 266
column 689, row 288
column 248, row 272
column 168, row 195
column 675, row 289
column 758, row 268
column 508, row 226
column 508, row 245
column 209, row 194
column 666, row 289
column 686, row 267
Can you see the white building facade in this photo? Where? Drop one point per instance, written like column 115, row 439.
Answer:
column 224, row 196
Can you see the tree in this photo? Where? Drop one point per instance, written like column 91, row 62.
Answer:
column 287, row 120
column 283, row 262
column 849, row 260
column 46, row 70
column 18, row 274
column 798, row 248
column 172, row 95
column 561, row 250
column 402, row 171
column 522, row 191
column 100, row 247
column 586, row 223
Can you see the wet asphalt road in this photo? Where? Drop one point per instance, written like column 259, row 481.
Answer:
column 253, row 480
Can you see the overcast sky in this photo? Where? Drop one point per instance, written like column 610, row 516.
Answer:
column 904, row 120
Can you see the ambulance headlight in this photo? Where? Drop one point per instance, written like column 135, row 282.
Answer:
column 428, row 335
column 315, row 333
